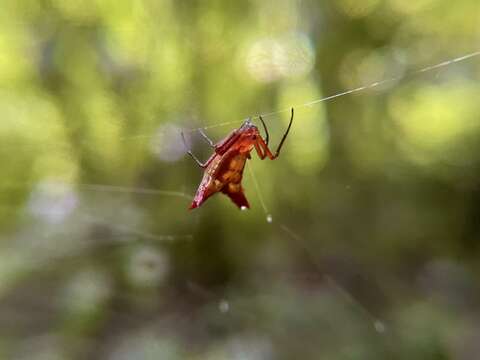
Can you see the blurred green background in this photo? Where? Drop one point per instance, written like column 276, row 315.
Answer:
column 373, row 251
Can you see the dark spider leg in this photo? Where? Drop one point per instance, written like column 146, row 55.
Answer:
column 262, row 148
column 265, row 128
column 284, row 136
column 189, row 152
column 207, row 139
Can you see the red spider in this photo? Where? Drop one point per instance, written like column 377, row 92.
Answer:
column 224, row 169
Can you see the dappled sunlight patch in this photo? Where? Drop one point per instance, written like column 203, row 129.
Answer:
column 437, row 123
column 170, row 72
column 105, row 125
column 34, row 130
column 274, row 58
column 128, row 29
column 56, row 164
column 410, row 7
column 31, row 116
column 366, row 66
column 15, row 55
column 81, row 11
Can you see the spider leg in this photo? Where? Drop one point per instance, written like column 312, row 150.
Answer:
column 260, row 148
column 265, row 128
column 207, row 139
column 277, row 152
column 189, row 152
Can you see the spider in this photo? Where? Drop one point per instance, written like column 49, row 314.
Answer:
column 223, row 171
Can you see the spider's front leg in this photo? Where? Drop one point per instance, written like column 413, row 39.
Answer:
column 262, row 149
column 189, row 152
column 261, row 146
column 206, row 138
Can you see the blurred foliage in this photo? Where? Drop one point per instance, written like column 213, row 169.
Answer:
column 373, row 248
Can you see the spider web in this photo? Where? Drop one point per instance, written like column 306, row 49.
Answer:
column 113, row 224
column 268, row 215
column 223, row 304
column 122, row 234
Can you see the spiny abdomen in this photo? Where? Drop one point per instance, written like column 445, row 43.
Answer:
column 232, row 172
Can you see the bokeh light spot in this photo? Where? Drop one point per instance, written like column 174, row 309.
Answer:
column 52, row 201
column 273, row 58
column 437, row 121
column 87, row 290
column 167, row 143
column 147, row 266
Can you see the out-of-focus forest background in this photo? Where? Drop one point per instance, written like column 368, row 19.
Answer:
column 373, row 251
